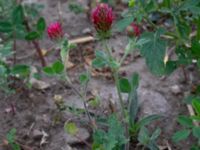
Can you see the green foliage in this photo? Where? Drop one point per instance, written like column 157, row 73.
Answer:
column 41, row 26
column 149, row 141
column 136, row 126
column 56, row 68
column 84, row 78
column 133, row 99
column 188, row 127
column 154, row 52
column 113, row 139
column 181, row 135
column 6, row 71
column 196, row 106
column 103, row 60
column 123, row 23
column 11, row 137
column 185, row 121
column 5, row 26
column 183, row 14
column 71, row 128
column 20, row 70
column 125, row 86
column 18, row 15
column 131, row 3
column 32, row 36
column 76, row 8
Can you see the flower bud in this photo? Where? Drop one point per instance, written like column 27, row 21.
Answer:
column 133, row 30
column 55, row 30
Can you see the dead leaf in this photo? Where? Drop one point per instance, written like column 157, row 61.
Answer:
column 38, row 84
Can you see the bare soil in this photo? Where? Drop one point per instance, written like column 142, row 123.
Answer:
column 36, row 109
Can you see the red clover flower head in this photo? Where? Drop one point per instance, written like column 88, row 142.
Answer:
column 102, row 18
column 55, row 30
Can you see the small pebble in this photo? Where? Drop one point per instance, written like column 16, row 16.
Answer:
column 175, row 89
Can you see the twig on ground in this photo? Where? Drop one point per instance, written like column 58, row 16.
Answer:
column 82, row 40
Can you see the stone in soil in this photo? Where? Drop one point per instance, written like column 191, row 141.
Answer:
column 175, row 89
column 152, row 102
column 37, row 134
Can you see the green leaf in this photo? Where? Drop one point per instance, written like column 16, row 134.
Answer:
column 113, row 64
column 170, row 67
column 5, row 27
column 76, row 8
column 133, row 99
column 195, row 48
column 84, row 78
column 15, row 146
column 196, row 105
column 184, row 56
column 194, row 147
column 58, row 67
column 155, row 134
column 123, row 23
column 143, row 136
column 196, row 132
column 48, row 70
column 41, row 25
column 21, row 70
column 180, row 135
column 191, row 6
column 149, row 6
column 32, row 36
column 183, row 28
column 131, row 3
column 124, row 85
column 113, row 139
column 71, row 128
column 135, row 81
column 195, row 118
column 95, row 102
column 147, row 120
column 18, row 15
column 3, row 70
column 101, row 59
column 20, row 32
column 6, row 50
column 98, row 63
column 185, row 121
column 154, row 52
column 198, row 28
column 11, row 135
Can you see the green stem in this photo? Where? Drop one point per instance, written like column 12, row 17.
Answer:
column 82, row 96
column 123, row 58
column 116, row 79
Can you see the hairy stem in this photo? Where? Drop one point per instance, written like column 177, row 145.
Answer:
column 83, row 98
column 39, row 51
column 115, row 74
column 116, row 79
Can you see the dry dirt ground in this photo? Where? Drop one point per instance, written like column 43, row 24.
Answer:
column 36, row 111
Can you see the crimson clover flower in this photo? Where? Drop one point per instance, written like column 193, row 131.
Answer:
column 133, row 30
column 102, row 18
column 55, row 30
